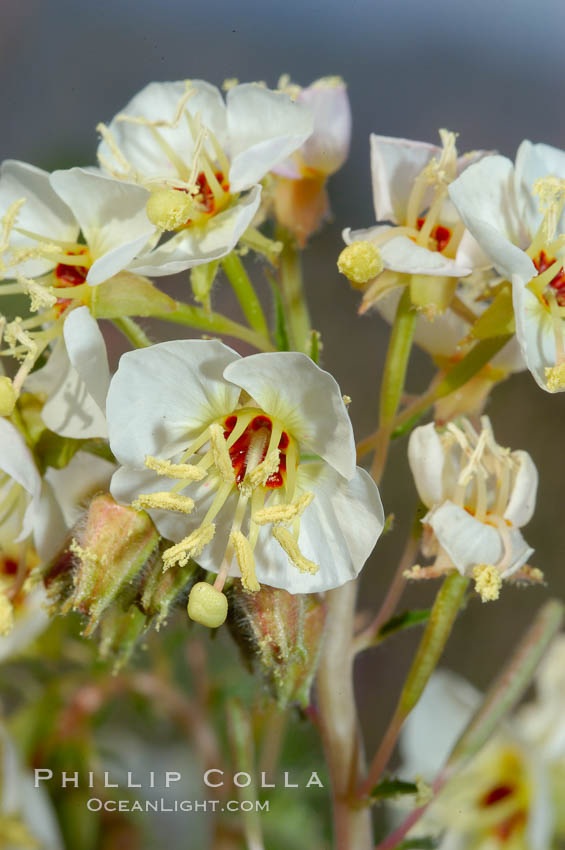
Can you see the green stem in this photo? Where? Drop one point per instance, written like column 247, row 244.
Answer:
column 241, row 738
column 394, row 377
column 293, row 293
column 445, row 609
column 243, row 288
column 214, row 323
column 133, row 332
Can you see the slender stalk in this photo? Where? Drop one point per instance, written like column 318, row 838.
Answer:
column 394, row 376
column 241, row 738
column 445, row 609
column 246, row 295
column 338, row 721
column 292, row 290
column 214, row 323
column 133, row 332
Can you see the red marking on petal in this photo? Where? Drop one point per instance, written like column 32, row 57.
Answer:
column 542, row 262
column 440, row 234
column 495, row 795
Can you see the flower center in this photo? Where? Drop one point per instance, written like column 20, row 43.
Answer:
column 250, row 449
column 542, row 263
column 439, row 234
column 67, row 275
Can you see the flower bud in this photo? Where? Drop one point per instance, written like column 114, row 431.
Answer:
column 301, row 206
column 282, row 634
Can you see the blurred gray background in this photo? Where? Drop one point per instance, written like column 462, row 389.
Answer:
column 493, row 70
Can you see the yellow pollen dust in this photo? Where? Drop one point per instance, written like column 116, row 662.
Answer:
column 168, row 209
column 488, row 582
column 258, row 476
column 182, row 471
column 360, row 262
column 555, row 377
column 290, row 545
column 165, row 501
column 283, row 514
column 190, row 547
column 207, row 605
column 8, row 396
column 220, row 451
column 6, row 615
column 245, row 560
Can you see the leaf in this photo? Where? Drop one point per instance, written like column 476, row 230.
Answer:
column 470, row 365
column 498, row 318
column 280, row 331
column 406, row 620
column 128, row 294
column 388, row 788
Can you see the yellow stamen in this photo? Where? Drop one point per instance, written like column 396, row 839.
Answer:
column 168, row 209
column 6, row 615
column 182, row 471
column 360, row 262
column 40, row 296
column 190, row 547
column 283, row 514
column 220, row 451
column 555, row 377
column 488, row 582
column 245, row 560
column 165, row 501
column 8, row 396
column 290, row 545
column 258, row 477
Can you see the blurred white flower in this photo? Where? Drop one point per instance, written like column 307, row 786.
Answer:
column 515, row 212
column 479, row 495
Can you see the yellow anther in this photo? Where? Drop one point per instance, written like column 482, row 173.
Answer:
column 220, row 451
column 6, row 615
column 488, row 582
column 360, row 262
column 190, row 547
column 165, row 501
column 8, row 396
column 182, row 471
column 555, row 377
column 334, row 82
column 290, row 545
column 207, row 605
column 230, row 83
column 283, row 514
column 258, row 477
column 551, row 193
column 41, row 297
column 168, row 209
column 245, row 560
column 8, row 220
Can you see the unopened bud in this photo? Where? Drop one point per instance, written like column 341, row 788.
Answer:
column 282, row 633
column 360, row 262
column 207, row 605
column 168, row 208
column 8, row 396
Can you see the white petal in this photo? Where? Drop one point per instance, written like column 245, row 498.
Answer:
column 426, row 459
column 16, row 459
column 401, row 254
column 522, row 502
column 75, row 407
column 87, row 352
column 29, row 622
column 159, row 102
column 469, row 542
column 49, row 529
column 164, row 396
column 196, row 245
column 485, row 192
column 290, row 387
column 432, row 729
column 112, row 217
column 338, row 531
column 327, row 148
column 535, row 161
column 77, row 482
column 541, row 820
column 534, row 329
column 507, row 258
column 365, row 234
column 264, row 127
column 395, row 164
column 43, row 213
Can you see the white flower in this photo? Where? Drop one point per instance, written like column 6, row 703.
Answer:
column 26, row 816
column 504, row 797
column 231, row 434
column 326, row 149
column 203, row 159
column 427, row 237
column 479, row 495
column 515, row 214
